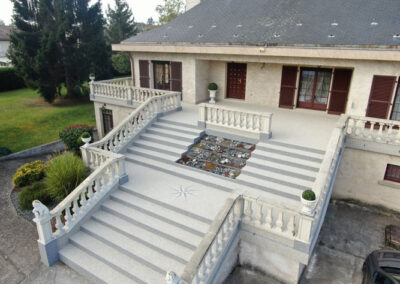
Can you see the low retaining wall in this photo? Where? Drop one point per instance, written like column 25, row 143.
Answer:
column 38, row 150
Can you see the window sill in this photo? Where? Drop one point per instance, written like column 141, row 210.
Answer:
column 389, row 183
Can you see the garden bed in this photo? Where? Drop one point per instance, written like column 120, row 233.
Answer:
column 218, row 155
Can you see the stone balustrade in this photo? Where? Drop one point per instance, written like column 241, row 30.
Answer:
column 53, row 224
column 122, row 90
column 374, row 129
column 94, row 157
column 234, row 118
column 119, row 137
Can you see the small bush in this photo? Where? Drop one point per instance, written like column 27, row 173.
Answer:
column 212, row 87
column 29, row 173
column 121, row 63
column 85, row 135
column 4, row 151
column 36, row 191
column 9, row 80
column 308, row 195
column 64, row 173
column 71, row 135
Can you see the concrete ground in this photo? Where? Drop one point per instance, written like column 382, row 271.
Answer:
column 19, row 255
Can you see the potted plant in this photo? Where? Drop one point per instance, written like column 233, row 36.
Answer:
column 308, row 200
column 91, row 77
column 86, row 137
column 212, row 89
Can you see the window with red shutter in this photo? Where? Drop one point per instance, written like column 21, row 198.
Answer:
column 339, row 91
column 392, row 173
column 176, row 76
column 381, row 96
column 144, row 74
column 288, row 86
column 396, row 104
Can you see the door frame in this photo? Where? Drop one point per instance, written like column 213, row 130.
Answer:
column 227, row 81
column 312, row 105
column 103, row 114
column 154, row 62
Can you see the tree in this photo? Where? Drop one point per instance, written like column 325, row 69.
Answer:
column 121, row 63
column 2, row 23
column 58, row 42
column 150, row 21
column 121, row 23
column 169, row 10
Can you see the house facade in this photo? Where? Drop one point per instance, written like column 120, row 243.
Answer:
column 4, row 44
column 184, row 190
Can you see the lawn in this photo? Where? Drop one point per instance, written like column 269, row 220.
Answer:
column 26, row 120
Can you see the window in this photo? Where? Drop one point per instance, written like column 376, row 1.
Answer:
column 314, row 88
column 396, row 104
column 392, row 173
column 108, row 123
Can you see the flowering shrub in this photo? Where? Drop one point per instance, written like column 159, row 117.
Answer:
column 29, row 173
column 70, row 135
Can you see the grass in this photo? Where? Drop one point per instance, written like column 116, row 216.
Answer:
column 26, row 120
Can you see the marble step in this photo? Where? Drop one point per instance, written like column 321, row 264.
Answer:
column 173, row 134
column 177, row 128
column 178, row 123
column 294, row 151
column 184, row 145
column 293, row 146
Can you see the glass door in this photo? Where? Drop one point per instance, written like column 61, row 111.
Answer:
column 314, row 88
column 162, row 75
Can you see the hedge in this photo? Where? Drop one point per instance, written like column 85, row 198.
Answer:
column 9, row 80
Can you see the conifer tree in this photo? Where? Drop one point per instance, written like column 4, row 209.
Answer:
column 121, row 23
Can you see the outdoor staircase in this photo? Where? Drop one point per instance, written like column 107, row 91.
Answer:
column 136, row 237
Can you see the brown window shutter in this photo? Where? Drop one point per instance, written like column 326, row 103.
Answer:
column 381, row 96
column 288, row 86
column 340, row 91
column 176, row 76
column 144, row 73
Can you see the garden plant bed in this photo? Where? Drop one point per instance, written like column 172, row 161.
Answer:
column 218, row 155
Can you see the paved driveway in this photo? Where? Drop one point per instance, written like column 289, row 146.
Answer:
column 19, row 255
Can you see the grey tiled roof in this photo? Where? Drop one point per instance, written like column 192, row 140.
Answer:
column 283, row 22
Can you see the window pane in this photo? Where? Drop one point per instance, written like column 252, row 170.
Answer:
column 307, row 84
column 392, row 173
column 396, row 106
column 322, row 87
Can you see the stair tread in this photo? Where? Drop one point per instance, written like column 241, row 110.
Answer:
column 260, row 154
column 174, row 122
column 127, row 265
column 177, row 127
column 184, row 144
column 258, row 172
column 73, row 256
column 159, row 155
column 255, row 163
column 295, row 146
column 173, row 133
column 138, row 232
column 133, row 247
column 155, row 223
column 156, row 145
column 279, row 147
column 163, row 211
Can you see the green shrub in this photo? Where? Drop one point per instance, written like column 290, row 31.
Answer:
column 36, row 191
column 71, row 135
column 121, row 63
column 64, row 173
column 29, row 173
column 212, row 87
column 4, row 151
column 9, row 80
column 85, row 135
column 308, row 195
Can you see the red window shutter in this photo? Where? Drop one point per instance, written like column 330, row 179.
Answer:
column 176, row 76
column 340, row 91
column 381, row 96
column 144, row 74
column 288, row 86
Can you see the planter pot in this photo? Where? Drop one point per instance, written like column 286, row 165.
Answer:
column 212, row 96
column 91, row 78
column 86, row 140
column 308, row 207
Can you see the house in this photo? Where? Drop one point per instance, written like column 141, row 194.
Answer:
column 182, row 189
column 4, row 44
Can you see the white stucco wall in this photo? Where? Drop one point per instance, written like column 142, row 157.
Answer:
column 119, row 113
column 360, row 176
column 264, row 75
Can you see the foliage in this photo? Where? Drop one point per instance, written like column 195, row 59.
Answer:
column 58, row 42
column 29, row 173
column 121, row 63
column 70, row 135
column 212, row 86
column 169, row 10
column 9, row 79
column 150, row 21
column 4, row 151
column 85, row 134
column 121, row 23
column 64, row 173
column 26, row 121
column 36, row 191
column 308, row 195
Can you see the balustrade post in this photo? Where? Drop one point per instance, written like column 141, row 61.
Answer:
column 265, row 127
column 85, row 156
column 202, row 116
column 130, row 96
column 47, row 245
column 305, row 226
column 123, row 177
column 92, row 96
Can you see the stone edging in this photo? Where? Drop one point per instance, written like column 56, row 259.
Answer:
column 38, row 150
